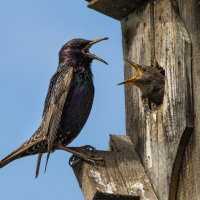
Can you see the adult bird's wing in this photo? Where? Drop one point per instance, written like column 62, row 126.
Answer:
column 56, row 97
column 54, row 103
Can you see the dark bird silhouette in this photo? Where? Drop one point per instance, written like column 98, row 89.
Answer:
column 150, row 80
column 67, row 105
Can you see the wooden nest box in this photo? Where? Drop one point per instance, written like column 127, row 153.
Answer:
column 159, row 158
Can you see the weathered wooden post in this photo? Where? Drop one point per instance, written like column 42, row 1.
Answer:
column 154, row 161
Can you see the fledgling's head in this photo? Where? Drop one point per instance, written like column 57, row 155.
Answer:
column 76, row 51
column 144, row 75
column 150, row 80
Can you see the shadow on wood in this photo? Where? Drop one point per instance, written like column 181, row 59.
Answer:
column 104, row 196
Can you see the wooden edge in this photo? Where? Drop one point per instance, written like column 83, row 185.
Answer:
column 178, row 161
column 189, row 111
column 121, row 177
column 116, row 9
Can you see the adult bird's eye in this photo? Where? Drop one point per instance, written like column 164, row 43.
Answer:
column 78, row 45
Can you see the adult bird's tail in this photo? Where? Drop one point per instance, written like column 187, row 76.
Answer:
column 36, row 145
column 24, row 150
column 18, row 153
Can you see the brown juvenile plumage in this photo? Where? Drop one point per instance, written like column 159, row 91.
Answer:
column 150, row 80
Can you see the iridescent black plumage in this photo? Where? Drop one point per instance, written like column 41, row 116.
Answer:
column 67, row 105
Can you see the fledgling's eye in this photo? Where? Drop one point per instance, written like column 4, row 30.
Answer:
column 144, row 69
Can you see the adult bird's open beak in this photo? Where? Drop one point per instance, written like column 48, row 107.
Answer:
column 136, row 75
column 93, row 56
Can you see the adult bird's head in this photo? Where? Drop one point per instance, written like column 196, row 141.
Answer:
column 76, row 52
column 150, row 80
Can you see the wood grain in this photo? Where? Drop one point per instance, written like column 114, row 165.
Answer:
column 168, row 31
column 122, row 177
column 189, row 183
column 160, row 134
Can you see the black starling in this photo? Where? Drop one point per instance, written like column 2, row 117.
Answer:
column 150, row 80
column 67, row 105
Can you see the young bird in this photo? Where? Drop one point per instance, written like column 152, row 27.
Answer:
column 67, row 105
column 150, row 80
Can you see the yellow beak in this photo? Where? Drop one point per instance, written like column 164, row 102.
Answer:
column 137, row 74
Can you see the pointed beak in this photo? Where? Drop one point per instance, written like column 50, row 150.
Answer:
column 138, row 73
column 93, row 56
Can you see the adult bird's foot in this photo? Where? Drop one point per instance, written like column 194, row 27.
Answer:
column 85, row 153
column 74, row 159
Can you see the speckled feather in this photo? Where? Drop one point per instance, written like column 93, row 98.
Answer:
column 67, row 106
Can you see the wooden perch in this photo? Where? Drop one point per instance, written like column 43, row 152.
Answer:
column 122, row 177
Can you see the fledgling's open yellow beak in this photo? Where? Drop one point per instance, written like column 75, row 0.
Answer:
column 137, row 74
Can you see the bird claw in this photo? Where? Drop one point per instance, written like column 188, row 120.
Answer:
column 73, row 160
column 85, row 153
column 80, row 153
column 91, row 159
